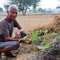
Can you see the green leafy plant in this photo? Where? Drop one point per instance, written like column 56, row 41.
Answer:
column 35, row 36
column 49, row 35
column 59, row 37
column 47, row 45
column 24, row 38
column 46, row 31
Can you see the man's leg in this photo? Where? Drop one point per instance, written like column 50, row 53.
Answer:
column 9, row 46
column 23, row 34
column 6, row 49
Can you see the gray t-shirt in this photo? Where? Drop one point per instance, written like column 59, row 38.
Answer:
column 7, row 27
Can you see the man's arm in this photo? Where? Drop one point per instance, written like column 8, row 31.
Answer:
column 8, row 38
column 16, row 24
column 20, row 33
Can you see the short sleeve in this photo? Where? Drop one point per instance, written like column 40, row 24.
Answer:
column 4, row 28
column 16, row 23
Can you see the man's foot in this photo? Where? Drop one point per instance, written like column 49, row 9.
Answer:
column 9, row 54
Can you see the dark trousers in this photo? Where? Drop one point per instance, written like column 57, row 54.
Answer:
column 23, row 34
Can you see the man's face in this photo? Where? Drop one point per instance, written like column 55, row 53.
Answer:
column 12, row 14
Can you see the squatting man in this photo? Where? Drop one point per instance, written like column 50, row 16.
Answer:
column 7, row 43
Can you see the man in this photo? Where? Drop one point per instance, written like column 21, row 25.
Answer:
column 7, row 43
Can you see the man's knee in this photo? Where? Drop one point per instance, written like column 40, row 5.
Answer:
column 12, row 44
column 15, row 45
column 23, row 34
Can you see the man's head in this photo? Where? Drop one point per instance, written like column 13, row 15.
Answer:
column 12, row 12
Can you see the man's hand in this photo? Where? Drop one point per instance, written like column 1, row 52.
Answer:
column 18, row 35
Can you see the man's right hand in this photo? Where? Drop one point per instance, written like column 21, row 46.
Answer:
column 18, row 35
